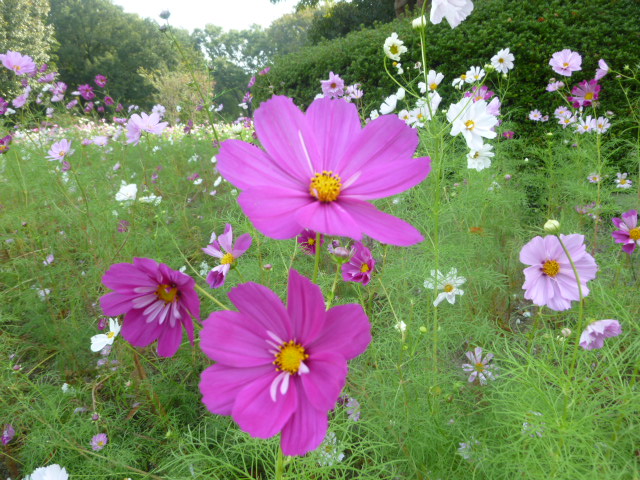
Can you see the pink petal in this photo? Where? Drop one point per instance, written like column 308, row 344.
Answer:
column 170, row 340
column 381, row 226
column 328, row 374
column 115, row 303
column 346, row 331
column 328, row 218
column 220, row 385
column 306, row 428
column 121, row 276
column 232, row 339
column 272, row 210
column 263, row 308
column 306, row 308
column 257, row 414
column 533, row 253
column 243, row 243
column 385, row 180
column 137, row 331
column 226, row 239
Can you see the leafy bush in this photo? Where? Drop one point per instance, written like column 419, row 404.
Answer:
column 532, row 30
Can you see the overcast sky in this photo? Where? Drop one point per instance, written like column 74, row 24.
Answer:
column 228, row 14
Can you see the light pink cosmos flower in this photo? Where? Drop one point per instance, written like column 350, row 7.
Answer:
column 602, row 69
column 565, row 62
column 585, row 93
column 156, row 302
column 144, row 123
column 535, row 115
column 602, row 124
column 360, row 266
column 628, row 232
column 595, row 333
column 550, row 279
column 281, row 369
column 320, row 169
column 21, row 100
column 20, row 64
column 334, row 87
column 224, row 249
column 554, row 85
column 455, row 11
column 60, row 150
column 99, row 441
column 479, row 367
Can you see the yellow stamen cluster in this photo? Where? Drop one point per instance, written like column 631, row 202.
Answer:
column 551, row 268
column 480, row 367
column 290, row 356
column 325, row 186
column 394, row 49
column 634, row 233
column 433, row 86
column 470, row 124
column 111, row 334
column 226, row 259
column 167, row 293
column 364, row 268
column 588, row 96
column 449, row 288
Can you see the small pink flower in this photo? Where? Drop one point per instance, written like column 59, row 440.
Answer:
column 509, row 134
column 307, row 240
column 143, row 123
column 101, row 81
column 554, row 85
column 223, row 248
column 585, row 93
column 360, row 266
column 334, row 87
column 99, row 441
column 628, row 232
column 565, row 62
column 87, row 92
column 535, row 115
column 8, row 433
column 594, row 335
column 602, row 69
column 20, row 64
column 60, row 150
column 479, row 367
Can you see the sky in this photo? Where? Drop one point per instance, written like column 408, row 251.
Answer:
column 228, row 14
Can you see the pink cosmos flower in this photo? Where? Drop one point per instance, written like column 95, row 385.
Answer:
column 60, row 150
column 101, row 81
column 479, row 367
column 224, row 249
column 155, row 300
column 334, row 87
column 554, row 85
column 20, row 64
column 99, row 441
column 281, row 369
column 307, row 240
column 509, row 134
column 8, row 433
column 565, row 62
column 602, row 69
column 72, row 104
column 595, row 333
column 4, row 105
column 21, row 100
column 264, row 71
column 360, row 266
column 5, row 142
column 535, row 115
column 86, row 91
column 108, row 100
column 320, row 168
column 585, row 93
column 143, row 123
column 550, row 280
column 252, row 82
column 628, row 232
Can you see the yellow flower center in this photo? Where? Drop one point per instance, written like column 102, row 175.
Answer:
column 551, row 268
column 226, row 259
column 480, row 367
column 501, row 60
column 565, row 65
column 17, row 68
column 588, row 96
column 333, row 85
column 463, row 76
column 470, row 124
column 311, row 241
column 634, row 233
column 394, row 49
column 61, row 153
column 364, row 268
column 433, row 86
column 3, row 148
column 167, row 293
column 289, row 357
column 449, row 288
column 623, row 181
column 111, row 334
column 325, row 186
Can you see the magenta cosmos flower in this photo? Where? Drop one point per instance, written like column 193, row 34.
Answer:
column 307, row 241
column 101, row 81
column 155, row 300
column 87, row 92
column 60, row 150
column 281, row 369
column 550, row 279
column 320, row 168
column 5, row 143
column 20, row 64
column 360, row 266
column 594, row 335
column 224, row 249
column 628, row 232
column 565, row 62
column 144, row 123
column 585, row 93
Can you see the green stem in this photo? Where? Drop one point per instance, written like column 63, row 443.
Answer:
column 280, row 464
column 333, row 287
column 316, row 266
column 211, row 297
column 239, row 274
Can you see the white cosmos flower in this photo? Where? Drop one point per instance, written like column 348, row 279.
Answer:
column 404, row 115
column 127, row 193
column 475, row 74
column 473, row 121
column 433, row 80
column 51, row 472
column 401, row 93
column 481, row 158
column 449, row 283
column 98, row 342
column 503, row 60
column 455, row 11
column 151, row 198
column 419, row 22
column 389, row 105
column 459, row 82
column 622, row 181
column 394, row 47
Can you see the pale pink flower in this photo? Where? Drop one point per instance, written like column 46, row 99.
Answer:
column 565, row 62
column 595, row 333
column 20, row 64
column 602, row 69
column 60, row 150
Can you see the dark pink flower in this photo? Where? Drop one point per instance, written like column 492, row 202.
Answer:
column 307, row 240
column 223, row 248
column 156, row 302
column 252, row 82
column 565, row 62
column 360, row 266
column 628, row 232
column 264, row 71
column 5, row 142
column 108, row 100
column 594, row 335
column 20, row 64
column 281, row 369
column 87, row 92
column 123, row 226
column 509, row 134
column 101, row 81
column 321, row 168
column 585, row 93
column 4, row 105
column 550, row 279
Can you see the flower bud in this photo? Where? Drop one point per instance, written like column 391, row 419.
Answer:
column 552, row 227
column 566, row 332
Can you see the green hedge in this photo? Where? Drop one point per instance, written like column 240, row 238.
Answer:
column 533, row 30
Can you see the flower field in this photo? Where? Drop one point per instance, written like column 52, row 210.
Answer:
column 434, row 287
